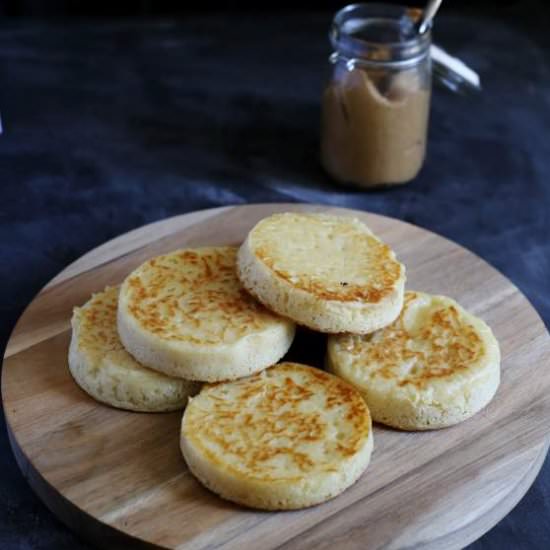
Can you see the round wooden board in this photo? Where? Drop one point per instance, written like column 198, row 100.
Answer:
column 111, row 474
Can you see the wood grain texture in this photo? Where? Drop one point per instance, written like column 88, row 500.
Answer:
column 111, row 474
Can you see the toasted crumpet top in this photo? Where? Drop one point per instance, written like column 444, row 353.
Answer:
column 194, row 295
column 98, row 334
column 280, row 424
column 432, row 339
column 332, row 257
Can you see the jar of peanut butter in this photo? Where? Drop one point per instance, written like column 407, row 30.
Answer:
column 375, row 107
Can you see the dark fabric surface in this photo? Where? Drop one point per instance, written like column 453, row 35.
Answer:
column 110, row 125
column 175, row 7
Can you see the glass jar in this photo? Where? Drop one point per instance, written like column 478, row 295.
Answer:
column 375, row 107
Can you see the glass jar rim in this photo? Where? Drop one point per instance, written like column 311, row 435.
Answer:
column 408, row 50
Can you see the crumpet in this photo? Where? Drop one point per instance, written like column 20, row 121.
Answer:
column 435, row 366
column 329, row 273
column 289, row 437
column 105, row 370
column 185, row 314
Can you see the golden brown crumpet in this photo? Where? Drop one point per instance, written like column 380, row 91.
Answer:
column 105, row 370
column 289, row 437
column 185, row 314
column 329, row 273
column 435, row 366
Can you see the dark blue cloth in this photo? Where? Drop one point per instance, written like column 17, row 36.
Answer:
column 111, row 125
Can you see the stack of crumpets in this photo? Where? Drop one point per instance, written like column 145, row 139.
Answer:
column 177, row 320
column 420, row 361
column 206, row 327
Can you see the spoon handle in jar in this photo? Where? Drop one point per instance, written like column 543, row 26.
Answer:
column 428, row 15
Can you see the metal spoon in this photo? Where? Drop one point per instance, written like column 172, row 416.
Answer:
column 428, row 14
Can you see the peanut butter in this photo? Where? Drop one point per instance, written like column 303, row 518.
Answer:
column 374, row 127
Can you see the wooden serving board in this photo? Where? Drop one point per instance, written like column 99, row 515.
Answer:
column 111, row 474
